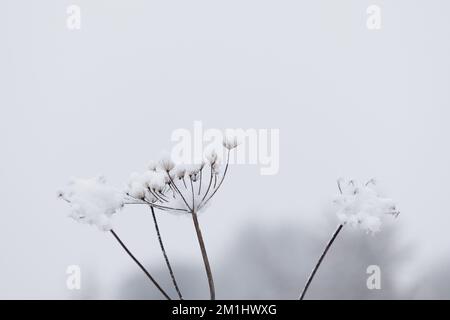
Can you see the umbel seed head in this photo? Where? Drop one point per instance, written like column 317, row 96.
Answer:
column 230, row 142
column 166, row 163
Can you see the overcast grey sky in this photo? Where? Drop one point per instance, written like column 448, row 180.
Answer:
column 348, row 101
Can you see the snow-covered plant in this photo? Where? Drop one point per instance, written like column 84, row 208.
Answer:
column 92, row 201
column 183, row 189
column 187, row 189
column 358, row 205
column 362, row 206
column 166, row 186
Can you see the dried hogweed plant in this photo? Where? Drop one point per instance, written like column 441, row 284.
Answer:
column 188, row 189
column 358, row 205
column 165, row 186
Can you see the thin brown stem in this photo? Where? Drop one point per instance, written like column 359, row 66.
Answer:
column 163, row 196
column 177, row 190
column 335, row 234
column 157, row 206
column 156, row 195
column 201, row 243
column 140, row 265
column 209, row 185
column 339, row 186
column 193, row 194
column 221, row 181
column 200, row 182
column 166, row 258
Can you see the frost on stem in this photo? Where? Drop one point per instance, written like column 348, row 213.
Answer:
column 92, row 201
column 360, row 205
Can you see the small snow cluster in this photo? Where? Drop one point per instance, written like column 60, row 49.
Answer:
column 140, row 186
column 362, row 206
column 92, row 201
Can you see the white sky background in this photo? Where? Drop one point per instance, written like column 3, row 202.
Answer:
column 105, row 99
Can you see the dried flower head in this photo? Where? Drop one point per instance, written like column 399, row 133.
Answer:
column 92, row 201
column 180, row 171
column 212, row 157
column 230, row 142
column 166, row 163
column 362, row 206
column 178, row 187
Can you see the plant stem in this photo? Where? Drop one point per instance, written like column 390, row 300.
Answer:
column 177, row 190
column 333, row 237
column 140, row 265
column 221, row 181
column 193, row 194
column 165, row 255
column 212, row 291
column 209, row 185
column 200, row 184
